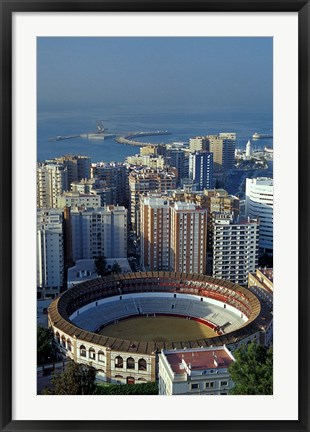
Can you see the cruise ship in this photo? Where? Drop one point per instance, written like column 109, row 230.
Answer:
column 257, row 136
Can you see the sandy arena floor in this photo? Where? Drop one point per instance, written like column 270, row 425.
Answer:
column 159, row 329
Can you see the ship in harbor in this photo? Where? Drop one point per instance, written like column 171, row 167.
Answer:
column 101, row 133
column 257, row 136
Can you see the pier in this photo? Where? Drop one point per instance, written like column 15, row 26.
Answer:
column 129, row 139
column 122, row 139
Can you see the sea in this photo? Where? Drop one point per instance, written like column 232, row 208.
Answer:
column 182, row 122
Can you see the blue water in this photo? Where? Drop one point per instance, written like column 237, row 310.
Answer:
column 183, row 123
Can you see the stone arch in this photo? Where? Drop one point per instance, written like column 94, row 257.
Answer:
column 101, row 356
column 92, row 353
column 130, row 363
column 82, row 351
column 63, row 341
column 69, row 345
column 101, row 375
column 142, row 366
column 130, row 380
column 119, row 362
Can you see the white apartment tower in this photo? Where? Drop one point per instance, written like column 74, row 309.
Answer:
column 99, row 232
column 259, row 204
column 235, row 248
column 52, row 180
column 50, row 253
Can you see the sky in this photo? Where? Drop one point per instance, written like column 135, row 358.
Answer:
column 229, row 74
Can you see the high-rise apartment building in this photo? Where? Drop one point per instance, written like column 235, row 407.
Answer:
column 199, row 143
column 173, row 235
column 52, row 180
column 77, row 199
column 259, row 204
column 219, row 202
column 78, row 166
column 176, row 158
column 115, row 176
column 201, row 169
column 150, row 161
column 148, row 180
column 50, row 253
column 188, row 238
column 99, row 232
column 153, row 149
column 85, row 186
column 235, row 248
column 155, row 232
column 223, row 148
column 95, row 186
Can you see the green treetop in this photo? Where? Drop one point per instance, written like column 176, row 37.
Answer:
column 76, row 379
column 252, row 372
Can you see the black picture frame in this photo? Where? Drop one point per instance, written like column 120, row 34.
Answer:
column 7, row 9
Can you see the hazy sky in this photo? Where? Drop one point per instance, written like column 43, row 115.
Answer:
column 228, row 74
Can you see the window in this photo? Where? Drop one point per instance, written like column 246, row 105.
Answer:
column 210, row 384
column 92, row 354
column 142, row 365
column 130, row 363
column 224, row 383
column 195, row 386
column 63, row 341
column 82, row 351
column 118, row 362
column 69, row 345
column 101, row 356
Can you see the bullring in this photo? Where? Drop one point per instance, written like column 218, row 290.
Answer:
column 234, row 313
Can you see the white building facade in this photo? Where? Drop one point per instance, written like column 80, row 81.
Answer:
column 197, row 371
column 99, row 232
column 50, row 253
column 259, row 204
column 73, row 199
column 235, row 248
column 52, row 180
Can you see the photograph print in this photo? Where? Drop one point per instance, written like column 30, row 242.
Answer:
column 154, row 216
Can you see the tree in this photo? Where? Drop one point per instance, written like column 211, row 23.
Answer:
column 101, row 266
column 252, row 372
column 76, row 379
column 116, row 269
column 45, row 353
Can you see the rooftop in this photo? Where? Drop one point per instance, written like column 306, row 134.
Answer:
column 199, row 360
